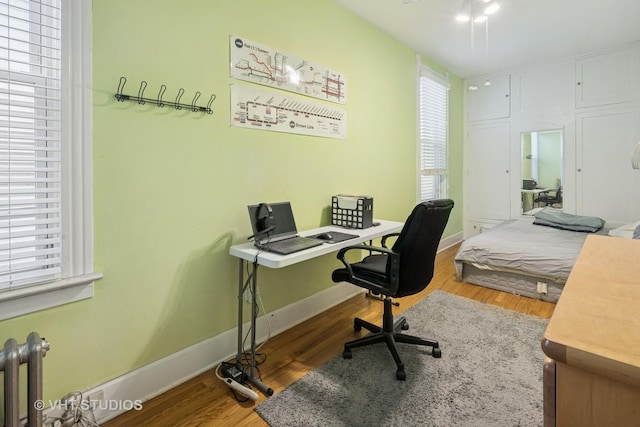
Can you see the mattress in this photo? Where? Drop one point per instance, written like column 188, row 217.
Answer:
column 518, row 254
column 514, row 283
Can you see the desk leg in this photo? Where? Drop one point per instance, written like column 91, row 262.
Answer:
column 240, row 309
column 254, row 315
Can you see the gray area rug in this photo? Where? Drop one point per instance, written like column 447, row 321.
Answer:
column 490, row 374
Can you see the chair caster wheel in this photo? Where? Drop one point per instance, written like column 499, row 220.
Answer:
column 356, row 326
column 346, row 354
column 401, row 374
column 405, row 326
column 436, row 353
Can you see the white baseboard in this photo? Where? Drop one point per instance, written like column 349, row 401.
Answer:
column 136, row 387
column 450, row 241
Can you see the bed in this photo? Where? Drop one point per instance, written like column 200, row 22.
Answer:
column 521, row 257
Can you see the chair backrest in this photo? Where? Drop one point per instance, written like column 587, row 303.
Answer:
column 559, row 194
column 417, row 245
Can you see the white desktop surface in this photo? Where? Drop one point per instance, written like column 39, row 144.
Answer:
column 536, row 190
column 247, row 251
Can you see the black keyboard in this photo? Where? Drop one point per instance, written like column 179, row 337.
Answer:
column 289, row 246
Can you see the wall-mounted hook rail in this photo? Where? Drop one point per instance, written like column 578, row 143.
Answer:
column 140, row 99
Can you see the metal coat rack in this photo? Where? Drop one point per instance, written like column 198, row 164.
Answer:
column 140, row 99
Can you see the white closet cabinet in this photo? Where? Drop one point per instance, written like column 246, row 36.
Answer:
column 543, row 91
column 609, row 78
column 486, row 102
column 595, row 99
column 607, row 185
column 487, row 175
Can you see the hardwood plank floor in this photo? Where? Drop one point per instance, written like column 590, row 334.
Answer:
column 206, row 401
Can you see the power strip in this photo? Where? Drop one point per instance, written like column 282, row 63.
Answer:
column 242, row 389
column 229, row 370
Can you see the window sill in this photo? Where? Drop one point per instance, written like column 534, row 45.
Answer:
column 27, row 300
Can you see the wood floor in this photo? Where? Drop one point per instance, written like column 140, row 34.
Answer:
column 207, row 401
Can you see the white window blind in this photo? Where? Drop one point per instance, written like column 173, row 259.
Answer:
column 433, row 121
column 46, row 215
column 30, row 142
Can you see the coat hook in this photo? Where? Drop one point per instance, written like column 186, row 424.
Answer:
column 158, row 101
column 160, row 94
column 195, row 108
column 143, row 86
column 180, row 93
column 209, row 110
column 119, row 95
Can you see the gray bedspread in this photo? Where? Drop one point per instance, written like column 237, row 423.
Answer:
column 522, row 247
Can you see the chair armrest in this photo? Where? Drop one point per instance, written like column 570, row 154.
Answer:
column 383, row 242
column 392, row 279
column 343, row 251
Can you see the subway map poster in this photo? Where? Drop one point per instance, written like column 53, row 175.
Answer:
column 257, row 63
column 266, row 109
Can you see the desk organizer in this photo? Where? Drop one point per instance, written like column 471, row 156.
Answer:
column 352, row 211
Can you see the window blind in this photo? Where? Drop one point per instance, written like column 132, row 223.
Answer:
column 433, row 118
column 30, row 141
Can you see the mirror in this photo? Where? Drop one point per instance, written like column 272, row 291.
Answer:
column 541, row 154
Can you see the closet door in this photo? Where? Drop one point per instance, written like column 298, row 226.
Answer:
column 488, row 102
column 609, row 78
column 487, row 172
column 543, row 91
column 607, row 185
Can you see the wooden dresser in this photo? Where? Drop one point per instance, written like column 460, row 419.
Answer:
column 592, row 342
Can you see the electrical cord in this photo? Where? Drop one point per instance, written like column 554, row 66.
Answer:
column 260, row 358
column 266, row 317
column 74, row 415
column 260, row 302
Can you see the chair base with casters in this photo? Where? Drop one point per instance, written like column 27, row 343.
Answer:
column 389, row 333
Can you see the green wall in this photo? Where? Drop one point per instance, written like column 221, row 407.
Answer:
column 171, row 188
column 549, row 158
column 550, row 163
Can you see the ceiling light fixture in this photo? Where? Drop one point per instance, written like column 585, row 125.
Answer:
column 480, row 18
column 477, row 10
column 491, row 8
column 466, row 11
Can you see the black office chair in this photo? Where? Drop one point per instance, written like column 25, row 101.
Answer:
column 405, row 269
column 547, row 199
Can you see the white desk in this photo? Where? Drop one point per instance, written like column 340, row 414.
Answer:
column 527, row 197
column 248, row 253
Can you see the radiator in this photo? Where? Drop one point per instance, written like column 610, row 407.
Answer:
column 11, row 357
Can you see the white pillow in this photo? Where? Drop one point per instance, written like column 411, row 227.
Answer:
column 625, row 231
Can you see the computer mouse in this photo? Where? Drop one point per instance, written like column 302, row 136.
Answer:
column 325, row 236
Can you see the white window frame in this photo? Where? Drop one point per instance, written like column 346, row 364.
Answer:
column 78, row 272
column 442, row 191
